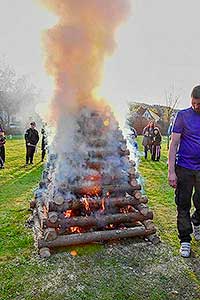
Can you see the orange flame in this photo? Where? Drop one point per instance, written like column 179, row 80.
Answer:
column 106, row 122
column 68, row 213
column 75, row 229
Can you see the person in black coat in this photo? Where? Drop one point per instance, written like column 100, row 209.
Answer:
column 2, row 148
column 156, row 144
column 44, row 142
column 31, row 138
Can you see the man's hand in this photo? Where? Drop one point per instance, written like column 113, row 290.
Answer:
column 172, row 179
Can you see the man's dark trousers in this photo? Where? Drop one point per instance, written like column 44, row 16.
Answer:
column 30, row 150
column 187, row 180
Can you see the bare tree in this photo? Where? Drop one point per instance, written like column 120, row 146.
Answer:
column 171, row 98
column 17, row 96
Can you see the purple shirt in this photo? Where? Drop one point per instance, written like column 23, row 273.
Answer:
column 187, row 123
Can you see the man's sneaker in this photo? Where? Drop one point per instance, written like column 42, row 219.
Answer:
column 185, row 249
column 196, row 232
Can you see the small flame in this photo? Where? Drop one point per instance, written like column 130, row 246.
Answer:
column 73, row 253
column 75, row 229
column 86, row 203
column 103, row 204
column 45, row 210
column 106, row 122
column 68, row 213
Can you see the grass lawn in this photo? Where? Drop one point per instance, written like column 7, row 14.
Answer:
column 127, row 270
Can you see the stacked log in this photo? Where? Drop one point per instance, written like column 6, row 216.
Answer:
column 103, row 198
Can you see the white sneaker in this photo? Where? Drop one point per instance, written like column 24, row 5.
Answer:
column 185, row 249
column 196, row 232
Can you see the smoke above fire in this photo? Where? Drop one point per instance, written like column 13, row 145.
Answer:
column 75, row 51
column 77, row 46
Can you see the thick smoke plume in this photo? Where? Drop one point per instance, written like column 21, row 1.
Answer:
column 75, row 51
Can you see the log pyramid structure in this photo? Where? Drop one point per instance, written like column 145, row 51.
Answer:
column 91, row 192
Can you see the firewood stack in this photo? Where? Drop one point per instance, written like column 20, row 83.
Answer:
column 90, row 193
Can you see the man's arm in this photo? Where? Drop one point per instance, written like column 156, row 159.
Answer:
column 26, row 136
column 175, row 141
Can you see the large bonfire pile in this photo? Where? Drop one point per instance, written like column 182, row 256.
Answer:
column 91, row 193
column 89, row 190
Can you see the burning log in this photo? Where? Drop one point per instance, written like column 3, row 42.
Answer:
column 97, row 236
column 99, row 221
column 94, row 189
column 97, row 142
column 92, row 202
column 105, row 153
column 121, row 189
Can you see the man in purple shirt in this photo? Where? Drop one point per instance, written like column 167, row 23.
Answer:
column 184, row 170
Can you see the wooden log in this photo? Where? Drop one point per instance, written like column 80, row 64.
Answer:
column 133, row 182
column 53, row 216
column 97, row 236
column 44, row 252
column 33, row 204
column 132, row 170
column 144, row 199
column 143, row 209
column 105, row 153
column 42, row 214
column 92, row 202
column 50, row 234
column 67, row 205
column 58, row 199
column 148, row 224
column 125, row 188
column 154, row 239
column 137, row 194
column 100, row 221
column 97, row 142
column 117, row 189
column 37, row 228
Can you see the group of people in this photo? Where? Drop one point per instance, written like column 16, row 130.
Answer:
column 152, row 141
column 31, row 139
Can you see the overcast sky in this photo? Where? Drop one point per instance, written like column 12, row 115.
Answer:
column 158, row 47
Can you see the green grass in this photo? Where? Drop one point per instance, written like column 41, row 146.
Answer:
column 129, row 269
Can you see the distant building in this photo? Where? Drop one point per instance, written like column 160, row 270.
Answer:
column 150, row 115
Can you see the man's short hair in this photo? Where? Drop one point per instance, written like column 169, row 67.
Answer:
column 196, row 92
column 33, row 123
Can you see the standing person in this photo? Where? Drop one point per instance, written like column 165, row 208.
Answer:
column 2, row 148
column 148, row 137
column 31, row 138
column 184, row 172
column 44, row 141
column 156, row 144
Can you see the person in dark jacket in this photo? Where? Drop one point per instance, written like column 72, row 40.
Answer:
column 156, row 144
column 2, row 148
column 44, row 142
column 31, row 138
column 147, row 138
